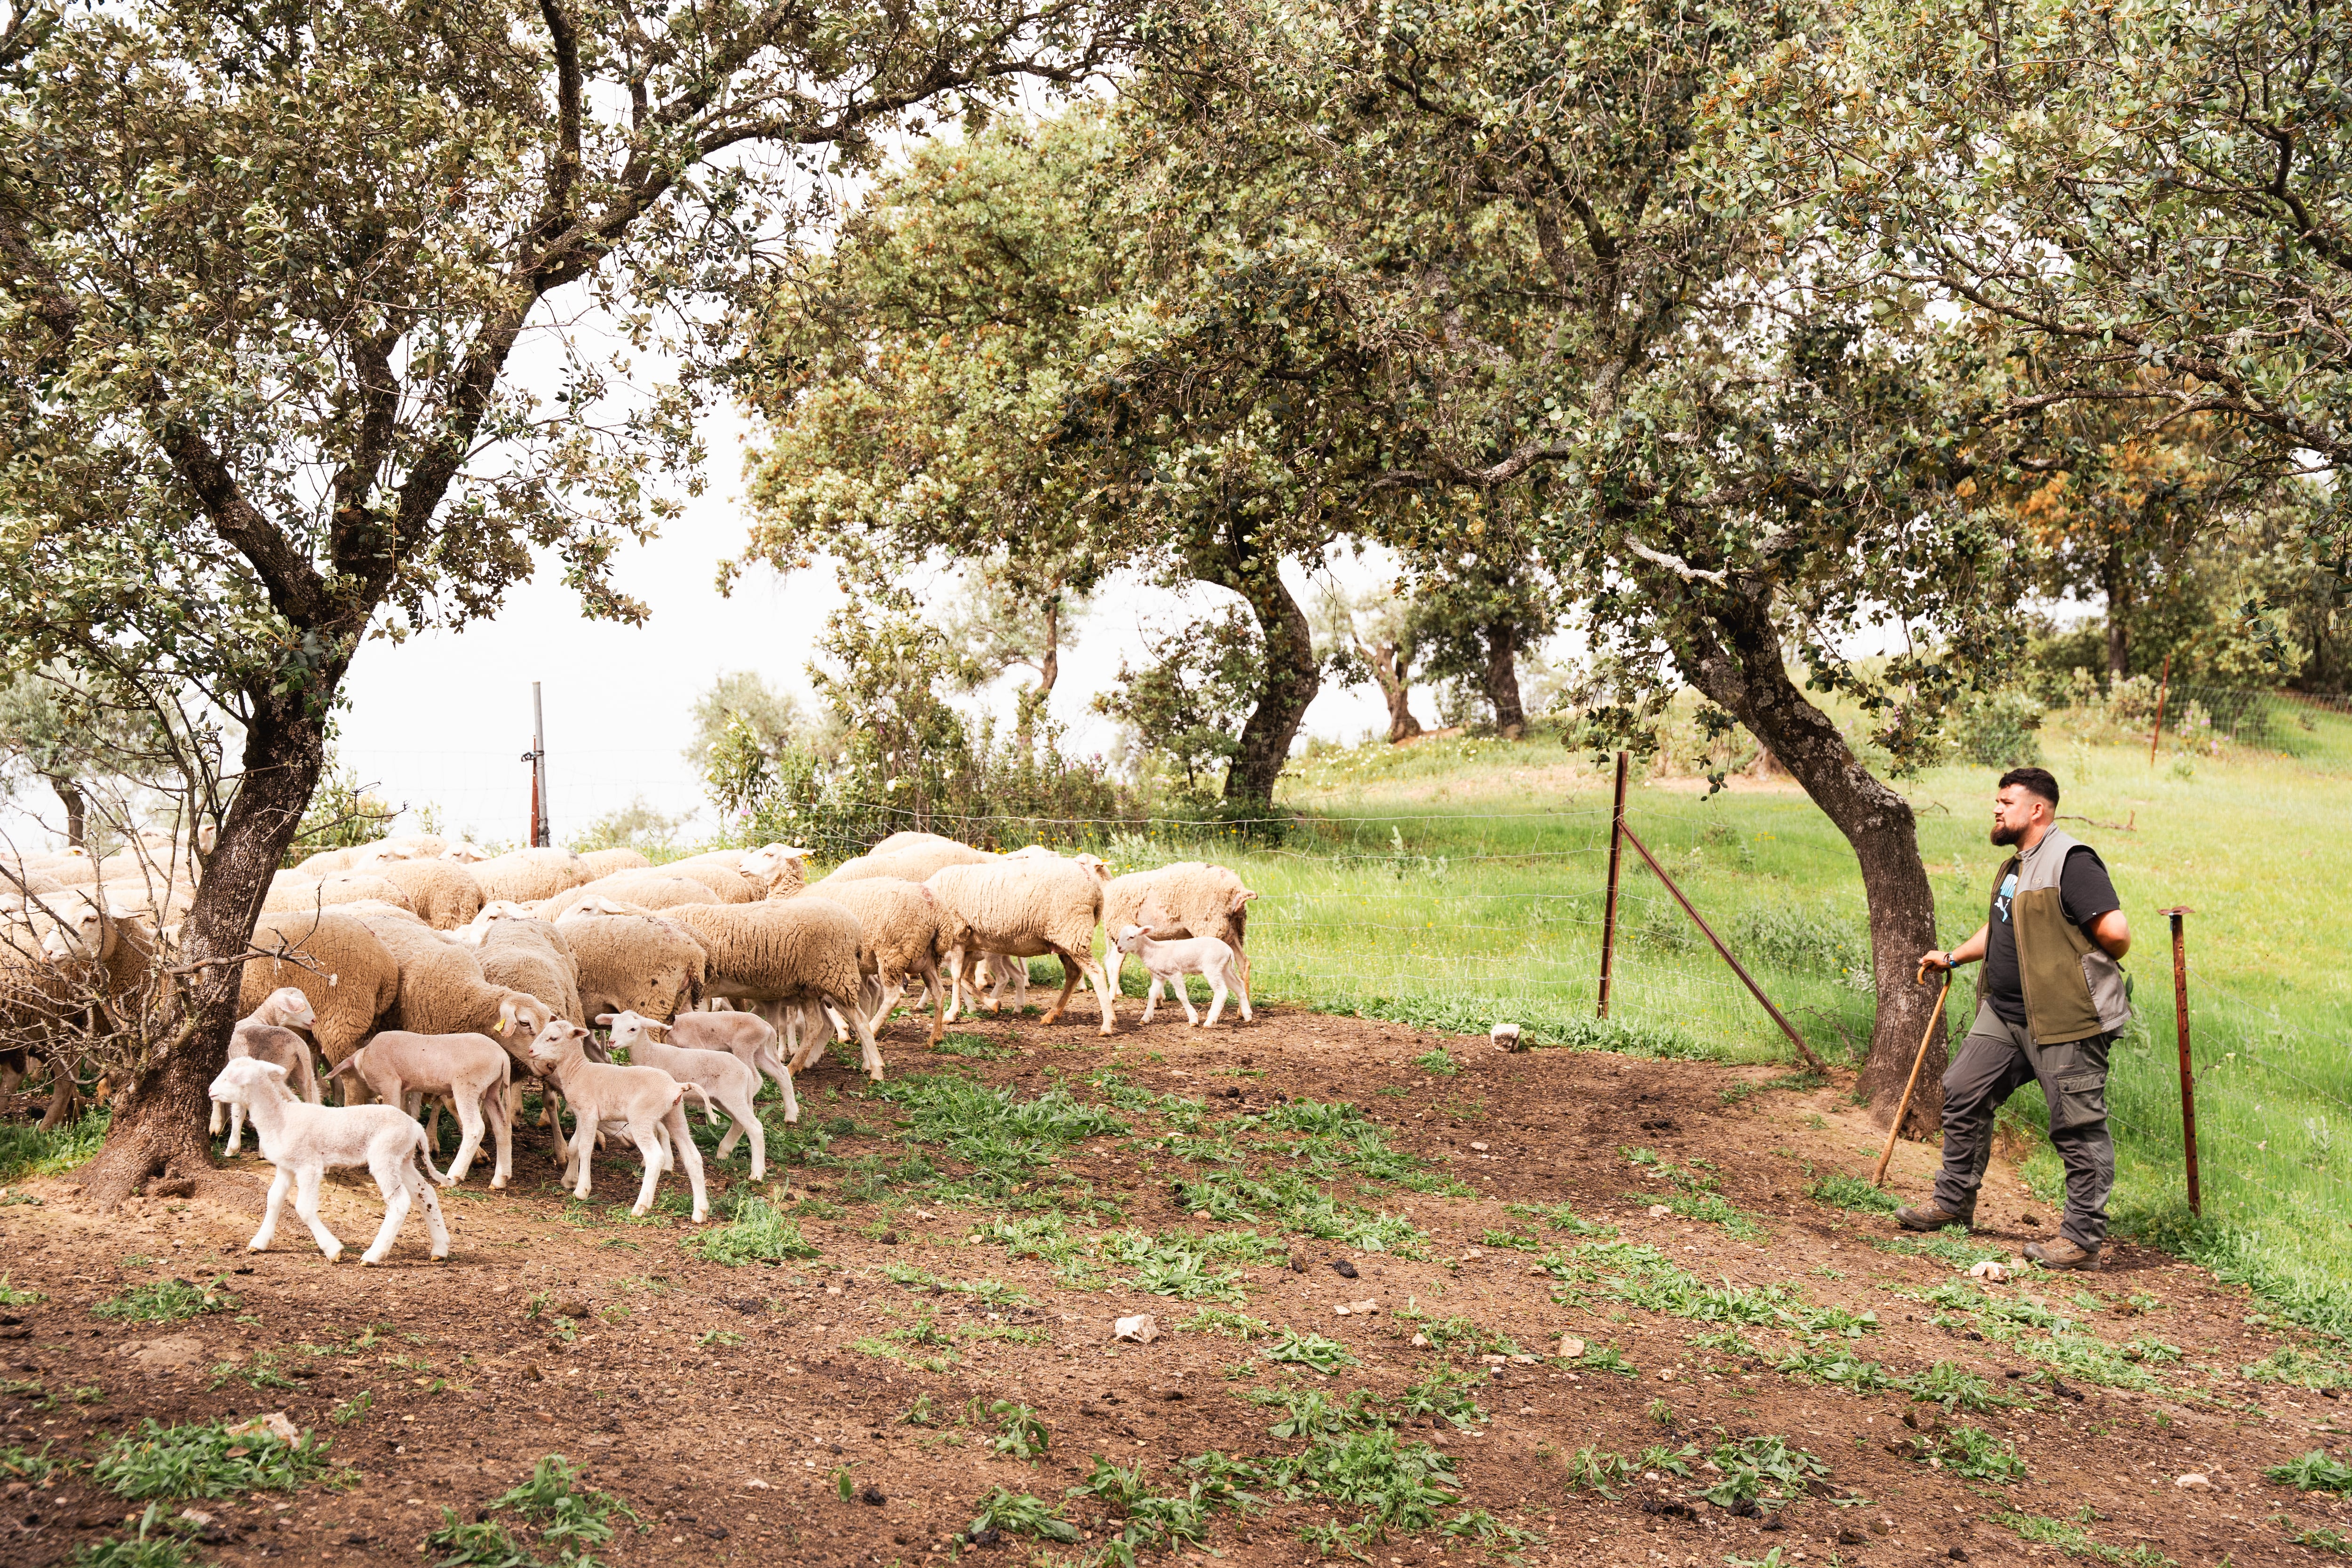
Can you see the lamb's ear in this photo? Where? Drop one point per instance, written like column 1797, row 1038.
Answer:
column 606, row 1020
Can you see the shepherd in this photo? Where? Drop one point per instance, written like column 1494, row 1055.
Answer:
column 2050, row 1004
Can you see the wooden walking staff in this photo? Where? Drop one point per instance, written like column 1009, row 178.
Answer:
column 1878, row 1177
column 2187, row 1079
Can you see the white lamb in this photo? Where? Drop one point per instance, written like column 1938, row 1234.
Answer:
column 304, row 1142
column 732, row 1083
column 1168, row 962
column 643, row 1102
column 470, row 1070
column 747, row 1036
column 266, row 1033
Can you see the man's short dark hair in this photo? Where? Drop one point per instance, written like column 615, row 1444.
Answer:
column 2033, row 781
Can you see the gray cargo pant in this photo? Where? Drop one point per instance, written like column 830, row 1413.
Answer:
column 1994, row 1062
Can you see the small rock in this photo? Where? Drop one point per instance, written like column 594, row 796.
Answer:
column 890, row 1238
column 1480, row 1147
column 1364, row 1308
column 873, row 1496
column 1345, row 1269
column 2194, row 1482
column 172, row 1353
column 2029, row 1220
column 1659, row 1211
column 1989, row 1270
column 530, row 1373
column 1958, row 1554
column 1419, row 1341
column 1142, row 1329
column 1570, row 1347
column 1882, row 1526
column 1524, row 1360
column 574, row 1309
column 1506, row 1036
column 1471, row 1255
column 1849, row 1536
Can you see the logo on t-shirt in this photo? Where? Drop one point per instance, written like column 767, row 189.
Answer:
column 2000, row 901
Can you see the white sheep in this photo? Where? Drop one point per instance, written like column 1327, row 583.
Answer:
column 643, row 1102
column 785, row 951
column 747, row 1036
column 734, row 1084
column 266, row 1033
column 778, row 870
column 471, row 1071
column 1168, row 962
column 1190, row 898
column 1025, row 908
column 305, row 1141
column 634, row 959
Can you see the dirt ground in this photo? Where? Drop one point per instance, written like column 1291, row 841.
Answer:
column 727, row 1405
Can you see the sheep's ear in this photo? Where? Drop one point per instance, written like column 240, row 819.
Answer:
column 1240, row 900
column 505, row 1016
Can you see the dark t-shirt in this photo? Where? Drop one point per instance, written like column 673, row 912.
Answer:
column 2083, row 892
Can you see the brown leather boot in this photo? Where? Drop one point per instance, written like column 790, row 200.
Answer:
column 1930, row 1216
column 2061, row 1253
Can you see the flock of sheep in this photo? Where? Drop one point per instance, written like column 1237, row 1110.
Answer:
column 425, row 972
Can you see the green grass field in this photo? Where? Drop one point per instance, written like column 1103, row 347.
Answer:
column 1460, row 882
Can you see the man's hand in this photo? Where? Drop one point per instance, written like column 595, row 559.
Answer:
column 1938, row 960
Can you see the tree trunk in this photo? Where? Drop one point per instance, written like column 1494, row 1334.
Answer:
column 1502, row 681
column 1743, row 670
column 2118, row 590
column 1388, row 663
column 1288, row 684
column 160, row 1115
column 76, row 804
column 1049, row 664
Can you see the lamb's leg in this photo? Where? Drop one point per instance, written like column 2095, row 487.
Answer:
column 583, row 1144
column 306, row 1203
column 434, row 1226
column 1234, row 972
column 236, row 1128
column 1150, row 998
column 392, row 1180
column 276, row 1205
column 212, row 1130
column 692, row 1157
column 747, row 1121
column 649, row 1149
column 668, row 1153
column 784, row 1080
column 469, row 1124
column 891, row 995
column 936, row 995
column 1216, row 998
column 495, row 1100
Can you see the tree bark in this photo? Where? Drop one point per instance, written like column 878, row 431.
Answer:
column 1737, row 661
column 1388, row 662
column 1049, row 664
column 76, row 804
column 160, row 1115
column 1287, row 685
column 1501, row 680
column 2118, row 586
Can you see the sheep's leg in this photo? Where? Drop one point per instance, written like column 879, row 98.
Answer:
column 1070, row 972
column 469, row 1124
column 692, row 1157
column 1241, row 987
column 936, row 995
column 583, row 1138
column 212, row 1131
column 669, row 1151
column 393, row 1180
column 890, row 996
column 869, row 1054
column 306, row 1203
column 236, row 1128
column 495, row 1110
column 434, row 1225
column 312, row 1094
column 1217, row 997
column 791, row 1101
column 648, row 1140
column 1151, row 999
column 276, row 1205
column 747, row 1124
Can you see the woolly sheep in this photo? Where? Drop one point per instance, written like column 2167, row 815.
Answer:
column 472, row 1070
column 531, row 955
column 634, row 959
column 1028, row 909
column 111, row 941
column 443, row 991
column 644, row 1102
column 727, row 886
column 529, row 874
column 730, row 858
column 444, row 894
column 465, row 852
column 914, row 840
column 777, row 870
column 787, row 950
column 1168, row 962
column 492, row 911
column 905, row 933
column 266, row 1033
column 604, row 862
column 734, row 1084
column 654, row 890
column 316, row 865
column 342, row 968
column 914, row 863
column 335, row 887
column 1190, row 898
column 305, row 1141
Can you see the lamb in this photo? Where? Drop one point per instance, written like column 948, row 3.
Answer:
column 443, row 991
column 266, row 1033
column 1168, row 962
column 786, row 950
column 528, row 876
column 1027, row 909
column 747, row 1036
column 305, row 1141
column 531, row 955
column 655, row 889
column 778, row 870
column 604, row 862
column 1191, row 898
column 343, row 969
column 472, row 1070
column 444, row 894
column 905, row 933
column 632, row 960
column 643, row 1101
column 724, row 1077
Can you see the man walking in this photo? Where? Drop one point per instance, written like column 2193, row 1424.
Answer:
column 2049, row 1005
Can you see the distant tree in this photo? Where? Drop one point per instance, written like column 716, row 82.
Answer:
column 1183, row 707
column 1008, row 618
column 636, row 826
column 1481, row 603
column 1374, row 636
column 262, row 271
column 770, row 718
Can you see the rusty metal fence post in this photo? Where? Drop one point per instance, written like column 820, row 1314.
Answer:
column 1609, row 912
column 2187, row 1079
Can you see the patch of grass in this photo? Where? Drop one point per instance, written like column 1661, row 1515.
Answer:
column 264, row 1371
column 165, row 1301
column 350, row 1410
column 1019, row 1513
column 1025, row 1437
column 1235, row 1325
column 1448, row 1333
column 979, row 1048
column 1560, row 1216
column 1951, row 1245
column 18, row 1465
column 1399, row 1485
column 205, row 1460
column 2314, row 1472
column 1002, row 1136
column 759, row 1234
column 1839, row 1190
column 26, row 1150
column 2071, row 1539
column 1311, row 1350
column 144, row 1550
column 1761, row 1467
column 568, row 1519
column 1606, row 1358
column 1436, row 1063
column 2321, row 1539
column 2303, row 1368
column 1310, row 1412
column 1969, row 1452
column 16, row 1296
column 1174, row 1266
column 1445, row 1394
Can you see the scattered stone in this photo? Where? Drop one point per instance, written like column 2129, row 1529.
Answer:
column 1659, row 1211
column 2194, row 1482
column 2035, row 1220
column 1570, row 1347
column 873, row 1496
column 757, row 1485
column 1989, row 1270
column 1849, row 1536
column 1958, row 1554
column 1142, row 1329
column 890, row 1238
column 575, row 1310
column 172, row 1353
column 1881, row 1525
column 1345, row 1269
column 1480, row 1147
column 1298, row 1264
column 1506, row 1037
column 1473, row 1255
column 1419, row 1341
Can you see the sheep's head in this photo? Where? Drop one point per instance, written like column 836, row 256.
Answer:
column 553, row 1040
column 1094, row 865
column 465, row 852
column 628, row 1027
column 1131, row 938
column 84, row 932
column 522, row 1017
column 289, row 1008
column 248, row 1078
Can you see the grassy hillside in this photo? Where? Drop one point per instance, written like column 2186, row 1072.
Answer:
column 1460, row 882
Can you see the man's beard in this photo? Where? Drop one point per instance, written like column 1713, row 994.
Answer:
column 2004, row 836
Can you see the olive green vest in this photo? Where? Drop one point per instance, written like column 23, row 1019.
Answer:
column 2074, row 990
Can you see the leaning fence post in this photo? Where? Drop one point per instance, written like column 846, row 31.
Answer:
column 2163, row 687
column 1609, row 913
column 2188, row 1081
